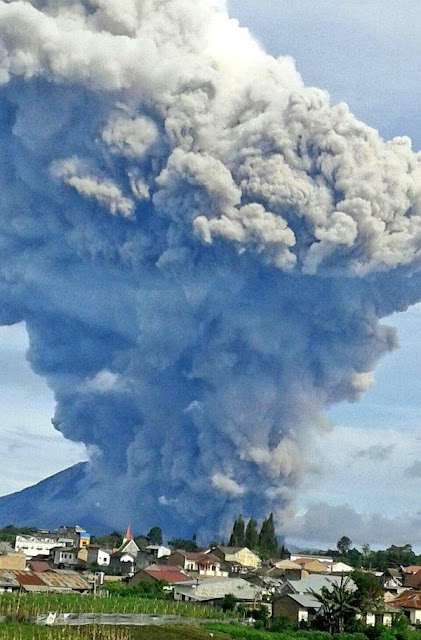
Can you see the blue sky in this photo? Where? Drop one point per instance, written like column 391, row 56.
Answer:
column 364, row 52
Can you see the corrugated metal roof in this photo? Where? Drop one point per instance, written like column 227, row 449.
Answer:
column 216, row 588
column 8, row 580
column 413, row 580
column 27, row 577
column 316, row 582
column 52, row 579
column 408, row 600
column 305, row 600
column 65, row 579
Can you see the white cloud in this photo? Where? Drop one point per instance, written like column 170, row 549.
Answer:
column 227, row 484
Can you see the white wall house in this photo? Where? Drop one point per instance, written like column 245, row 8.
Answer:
column 65, row 557
column 158, row 551
column 98, row 556
column 33, row 546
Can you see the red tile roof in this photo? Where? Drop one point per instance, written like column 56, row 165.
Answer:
column 167, row 573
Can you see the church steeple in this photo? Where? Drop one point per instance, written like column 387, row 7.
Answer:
column 128, row 534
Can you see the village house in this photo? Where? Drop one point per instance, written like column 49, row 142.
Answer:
column 237, row 556
column 8, row 582
column 11, row 559
column 298, row 607
column 392, row 581
column 53, row 580
column 98, row 556
column 66, row 558
column 170, row 574
column 339, row 568
column 205, row 565
column 313, row 565
column 412, row 580
column 291, row 570
column 80, row 537
column 312, row 583
column 41, row 544
column 409, row 602
column 294, row 557
column 122, row 564
column 157, row 551
column 214, row 590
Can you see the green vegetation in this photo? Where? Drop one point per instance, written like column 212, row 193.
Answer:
column 181, row 543
column 393, row 556
column 9, row 533
column 338, row 606
column 24, row 606
column 241, row 632
column 13, row 631
column 265, row 542
column 217, row 631
column 155, row 536
column 142, row 589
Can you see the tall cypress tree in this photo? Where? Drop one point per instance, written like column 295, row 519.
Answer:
column 240, row 531
column 238, row 534
column 252, row 537
column 233, row 537
column 268, row 542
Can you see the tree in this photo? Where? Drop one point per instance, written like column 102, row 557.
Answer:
column 397, row 556
column 366, row 552
column 238, row 534
column 251, row 539
column 338, row 605
column 283, row 552
column 268, row 543
column 155, row 536
column 344, row 545
column 369, row 593
column 185, row 545
column 228, row 603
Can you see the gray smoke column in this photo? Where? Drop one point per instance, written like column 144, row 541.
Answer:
column 201, row 247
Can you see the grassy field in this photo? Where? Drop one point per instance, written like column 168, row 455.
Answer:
column 14, row 631
column 29, row 605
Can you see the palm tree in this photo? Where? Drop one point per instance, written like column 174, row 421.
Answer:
column 338, row 604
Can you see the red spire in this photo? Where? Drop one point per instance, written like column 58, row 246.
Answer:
column 128, row 534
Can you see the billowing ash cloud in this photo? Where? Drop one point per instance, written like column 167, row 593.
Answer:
column 200, row 246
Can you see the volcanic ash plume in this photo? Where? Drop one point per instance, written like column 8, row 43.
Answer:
column 201, row 247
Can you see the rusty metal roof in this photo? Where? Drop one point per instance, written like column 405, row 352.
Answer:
column 27, row 577
column 7, row 580
column 52, row 579
column 66, row 580
column 408, row 600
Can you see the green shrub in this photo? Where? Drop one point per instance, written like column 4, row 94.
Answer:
column 282, row 623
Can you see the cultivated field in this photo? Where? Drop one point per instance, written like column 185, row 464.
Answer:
column 31, row 632
column 29, row 605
